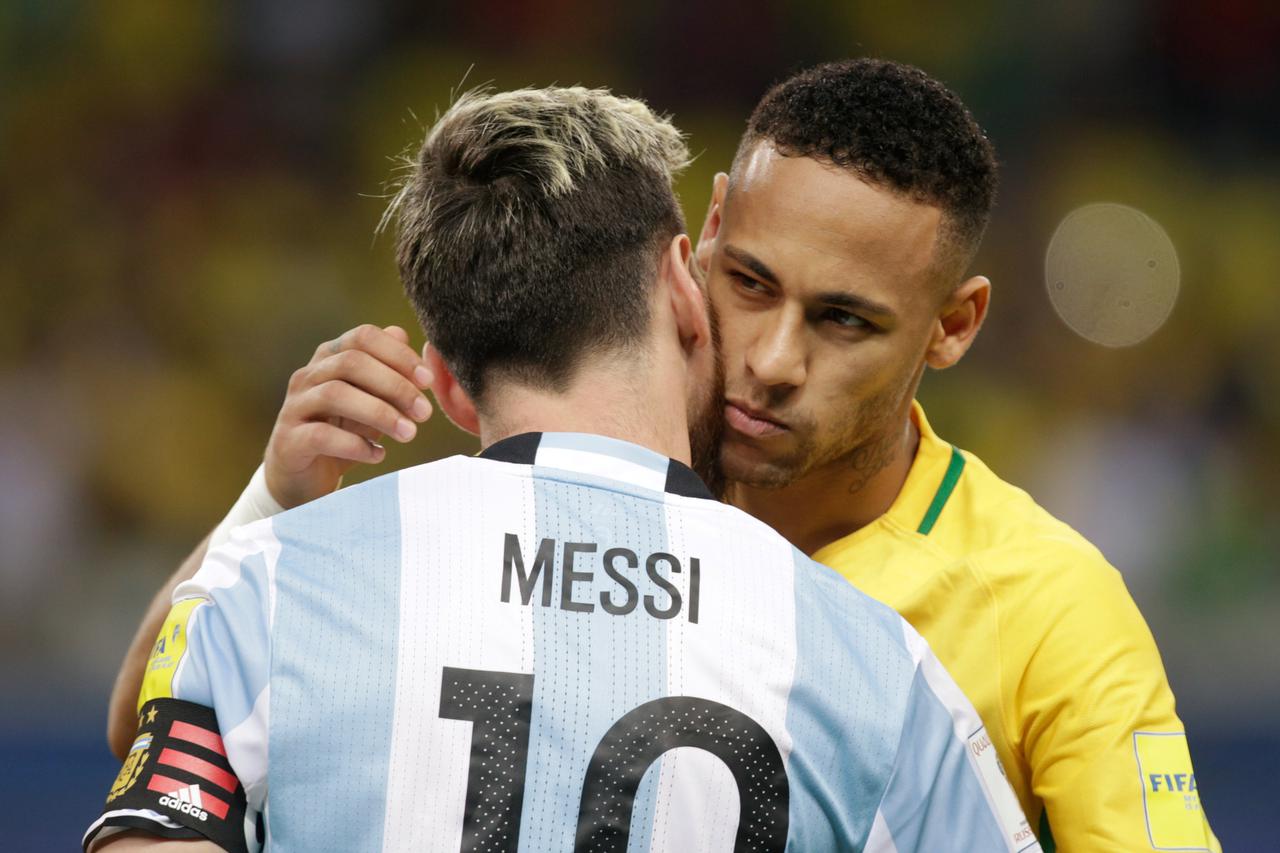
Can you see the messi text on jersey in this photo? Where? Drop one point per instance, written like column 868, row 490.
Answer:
column 581, row 571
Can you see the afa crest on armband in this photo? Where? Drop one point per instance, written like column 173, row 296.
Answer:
column 134, row 762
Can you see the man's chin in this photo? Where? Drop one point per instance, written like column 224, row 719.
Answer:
column 753, row 471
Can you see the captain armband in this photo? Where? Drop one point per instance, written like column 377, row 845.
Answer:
column 176, row 781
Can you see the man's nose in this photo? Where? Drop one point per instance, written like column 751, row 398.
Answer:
column 777, row 357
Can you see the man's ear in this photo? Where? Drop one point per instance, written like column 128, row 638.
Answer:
column 711, row 227
column 958, row 322
column 688, row 304
column 452, row 399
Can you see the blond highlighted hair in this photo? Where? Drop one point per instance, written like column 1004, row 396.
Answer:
column 529, row 226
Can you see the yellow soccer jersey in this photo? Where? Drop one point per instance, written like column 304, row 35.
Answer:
column 1041, row 633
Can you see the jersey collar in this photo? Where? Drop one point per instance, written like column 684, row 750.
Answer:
column 930, row 481
column 600, row 456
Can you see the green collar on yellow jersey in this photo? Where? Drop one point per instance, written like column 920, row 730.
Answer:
column 931, row 482
column 952, row 476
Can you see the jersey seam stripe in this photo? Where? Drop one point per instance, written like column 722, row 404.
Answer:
column 897, row 751
column 954, row 469
column 1015, row 746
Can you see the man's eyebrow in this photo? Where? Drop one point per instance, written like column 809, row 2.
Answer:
column 855, row 302
column 835, row 299
column 752, row 263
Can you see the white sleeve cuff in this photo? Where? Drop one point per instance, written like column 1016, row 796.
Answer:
column 254, row 504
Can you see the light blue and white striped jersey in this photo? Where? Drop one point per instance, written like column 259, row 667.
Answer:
column 563, row 644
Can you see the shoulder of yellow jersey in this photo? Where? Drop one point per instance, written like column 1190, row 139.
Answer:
column 1050, row 588
column 1040, row 631
column 1007, row 536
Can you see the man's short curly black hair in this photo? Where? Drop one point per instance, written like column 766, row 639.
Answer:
column 894, row 126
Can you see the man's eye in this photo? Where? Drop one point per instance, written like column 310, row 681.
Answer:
column 844, row 319
column 746, row 282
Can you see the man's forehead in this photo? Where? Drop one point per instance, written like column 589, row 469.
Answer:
column 828, row 215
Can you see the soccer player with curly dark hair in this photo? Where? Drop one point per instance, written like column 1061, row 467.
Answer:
column 836, row 253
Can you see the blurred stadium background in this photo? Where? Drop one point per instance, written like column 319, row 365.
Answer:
column 188, row 193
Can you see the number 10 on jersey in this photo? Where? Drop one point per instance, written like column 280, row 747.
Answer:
column 499, row 706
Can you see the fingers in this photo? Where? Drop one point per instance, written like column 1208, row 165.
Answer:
column 364, row 384
column 389, row 346
column 338, row 398
column 398, row 333
column 378, row 362
column 366, row 432
column 318, row 438
column 361, row 371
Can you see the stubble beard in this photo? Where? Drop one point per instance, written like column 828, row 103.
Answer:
column 862, row 449
column 706, row 424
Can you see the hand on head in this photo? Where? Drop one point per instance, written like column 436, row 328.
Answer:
column 365, row 384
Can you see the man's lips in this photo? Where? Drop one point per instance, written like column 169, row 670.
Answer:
column 749, row 422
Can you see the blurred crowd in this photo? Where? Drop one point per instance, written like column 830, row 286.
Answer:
column 188, row 197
